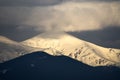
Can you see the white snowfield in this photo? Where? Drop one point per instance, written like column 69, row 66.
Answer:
column 10, row 49
column 60, row 43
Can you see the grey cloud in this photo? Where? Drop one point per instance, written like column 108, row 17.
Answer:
column 66, row 16
column 41, row 2
column 29, row 2
column 13, row 15
column 69, row 16
column 75, row 16
column 18, row 33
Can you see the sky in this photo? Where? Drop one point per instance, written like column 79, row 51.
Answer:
column 23, row 19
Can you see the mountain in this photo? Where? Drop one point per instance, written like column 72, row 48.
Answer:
column 10, row 49
column 57, row 44
column 42, row 66
column 60, row 43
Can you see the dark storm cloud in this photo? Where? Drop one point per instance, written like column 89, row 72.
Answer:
column 29, row 2
column 18, row 34
column 40, row 2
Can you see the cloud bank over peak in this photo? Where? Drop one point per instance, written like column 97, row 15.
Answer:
column 66, row 16
column 72, row 16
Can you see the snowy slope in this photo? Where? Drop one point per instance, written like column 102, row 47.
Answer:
column 56, row 43
column 60, row 43
column 10, row 49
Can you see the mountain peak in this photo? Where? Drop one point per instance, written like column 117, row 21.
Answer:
column 65, row 44
column 61, row 43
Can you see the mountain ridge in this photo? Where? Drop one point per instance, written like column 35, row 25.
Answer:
column 61, row 43
column 75, row 48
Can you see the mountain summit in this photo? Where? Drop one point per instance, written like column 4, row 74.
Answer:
column 60, row 43
column 57, row 44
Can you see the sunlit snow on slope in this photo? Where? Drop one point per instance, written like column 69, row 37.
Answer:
column 10, row 49
column 88, row 53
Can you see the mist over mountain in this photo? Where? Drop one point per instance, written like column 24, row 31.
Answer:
column 68, row 16
column 59, row 39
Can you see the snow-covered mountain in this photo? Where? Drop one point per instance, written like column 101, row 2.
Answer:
column 60, row 43
column 10, row 49
column 56, row 43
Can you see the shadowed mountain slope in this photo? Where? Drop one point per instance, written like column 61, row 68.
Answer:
column 41, row 66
